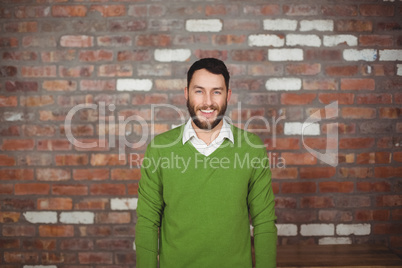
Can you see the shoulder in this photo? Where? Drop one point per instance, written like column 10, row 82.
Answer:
column 246, row 138
column 169, row 138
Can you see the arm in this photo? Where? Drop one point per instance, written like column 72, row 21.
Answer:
column 262, row 210
column 149, row 211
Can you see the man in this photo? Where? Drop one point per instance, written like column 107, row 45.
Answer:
column 196, row 192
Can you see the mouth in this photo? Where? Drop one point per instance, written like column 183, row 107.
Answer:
column 207, row 113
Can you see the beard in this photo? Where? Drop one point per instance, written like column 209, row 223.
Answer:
column 205, row 124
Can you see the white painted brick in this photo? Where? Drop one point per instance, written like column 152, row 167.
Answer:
column 169, row 55
column 265, row 40
column 356, row 229
column 334, row 40
column 319, row 25
column 391, row 55
column 285, row 54
column 296, row 128
column 41, row 216
column 363, row 54
column 134, row 84
column 276, row 84
column 399, row 69
column 335, row 241
column 123, row 203
column 317, row 229
column 280, row 25
column 77, row 217
column 310, row 40
column 39, row 266
column 287, row 229
column 208, row 25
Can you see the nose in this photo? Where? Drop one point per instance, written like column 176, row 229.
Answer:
column 207, row 99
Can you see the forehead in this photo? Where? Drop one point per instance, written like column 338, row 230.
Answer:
column 207, row 79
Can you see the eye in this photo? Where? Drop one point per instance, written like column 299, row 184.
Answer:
column 198, row 91
column 217, row 92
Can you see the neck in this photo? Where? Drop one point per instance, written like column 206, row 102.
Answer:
column 208, row 135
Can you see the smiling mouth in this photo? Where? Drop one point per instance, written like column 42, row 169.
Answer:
column 207, row 111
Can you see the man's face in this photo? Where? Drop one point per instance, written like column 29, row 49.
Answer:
column 207, row 99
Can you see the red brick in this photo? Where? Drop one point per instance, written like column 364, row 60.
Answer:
column 126, row 174
column 95, row 230
column 91, row 174
column 16, row 174
column 387, row 228
column 110, row 10
column 336, row 187
column 297, row 99
column 323, row 54
column 353, row 26
column 76, row 244
column 56, row 230
column 21, row 257
column 219, row 54
column 303, row 69
column 6, row 189
column 31, row 189
column 17, row 230
column 316, row 172
column 70, row 189
column 113, row 217
column 350, row 201
column 9, row 216
column 390, row 112
column 357, row 84
column 59, row 85
column 296, row 215
column 389, row 200
column 373, row 187
column 320, row 84
column 248, row 55
column 356, row 143
column 54, row 145
column 282, row 144
column 299, row 159
column 8, row 42
column 298, row 187
column 6, row 160
column 36, row 101
column 285, row 202
column 107, row 189
column 132, row 188
column 120, row 70
column 52, row 174
column 21, row 27
column 258, row 10
column 317, row 202
column 387, row 171
column 300, row 10
column 71, row 160
column 284, row 173
column 397, row 214
column 58, row 203
column 92, row 204
column 358, row 113
column 78, row 71
column 335, row 216
column 69, row 11
column 9, row 243
column 106, row 160
column 377, row 10
column 114, row 244
column 339, row 10
column 96, row 55
column 372, row 215
column 397, row 156
column 376, row 40
column 20, row 56
column 341, row 98
column 58, row 56
column 321, row 143
column 80, row 41
column 351, row 70
column 24, row 86
column 39, row 71
column 228, row 39
column 374, row 98
column 8, row 101
column 342, row 128
column 95, row 257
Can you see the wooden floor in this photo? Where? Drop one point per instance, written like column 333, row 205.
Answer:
column 321, row 256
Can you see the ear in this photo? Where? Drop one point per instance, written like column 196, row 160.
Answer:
column 229, row 95
column 186, row 93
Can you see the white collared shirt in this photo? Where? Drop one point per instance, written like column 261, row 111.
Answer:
column 189, row 134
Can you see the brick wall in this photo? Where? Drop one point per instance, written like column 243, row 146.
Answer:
column 116, row 71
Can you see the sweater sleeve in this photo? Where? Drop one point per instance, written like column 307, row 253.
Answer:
column 262, row 210
column 149, row 211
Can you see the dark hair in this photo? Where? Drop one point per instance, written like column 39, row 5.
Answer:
column 212, row 65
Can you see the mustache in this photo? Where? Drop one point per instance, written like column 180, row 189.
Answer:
column 212, row 107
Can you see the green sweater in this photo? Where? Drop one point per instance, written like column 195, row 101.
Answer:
column 201, row 205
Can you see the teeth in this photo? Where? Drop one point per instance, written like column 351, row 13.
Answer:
column 207, row 111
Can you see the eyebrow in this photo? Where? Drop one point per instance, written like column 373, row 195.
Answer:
column 200, row 87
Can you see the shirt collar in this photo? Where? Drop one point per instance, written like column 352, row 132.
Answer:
column 225, row 132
